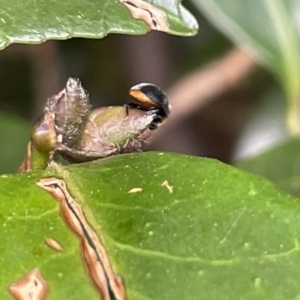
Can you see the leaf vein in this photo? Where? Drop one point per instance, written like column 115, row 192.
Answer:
column 163, row 255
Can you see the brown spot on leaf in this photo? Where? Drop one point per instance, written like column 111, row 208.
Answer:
column 95, row 257
column 53, row 244
column 153, row 16
column 31, row 287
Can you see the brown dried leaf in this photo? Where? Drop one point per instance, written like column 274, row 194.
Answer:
column 153, row 16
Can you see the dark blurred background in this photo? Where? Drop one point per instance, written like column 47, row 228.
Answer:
column 217, row 91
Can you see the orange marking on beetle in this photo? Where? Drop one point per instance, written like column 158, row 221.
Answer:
column 141, row 97
column 31, row 287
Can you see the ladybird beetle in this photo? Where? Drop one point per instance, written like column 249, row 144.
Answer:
column 149, row 97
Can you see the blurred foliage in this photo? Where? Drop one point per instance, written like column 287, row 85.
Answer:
column 270, row 30
column 266, row 127
column 14, row 136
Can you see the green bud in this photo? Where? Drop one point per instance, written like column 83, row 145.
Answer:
column 43, row 135
column 109, row 131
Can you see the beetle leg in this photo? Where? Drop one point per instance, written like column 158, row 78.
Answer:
column 127, row 106
column 127, row 111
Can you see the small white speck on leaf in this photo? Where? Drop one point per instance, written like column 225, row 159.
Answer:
column 135, row 190
column 169, row 187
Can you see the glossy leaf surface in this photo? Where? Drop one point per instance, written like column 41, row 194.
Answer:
column 37, row 21
column 194, row 227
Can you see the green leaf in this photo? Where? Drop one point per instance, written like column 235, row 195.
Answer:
column 14, row 136
column 37, row 21
column 196, row 227
column 270, row 30
column 281, row 165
